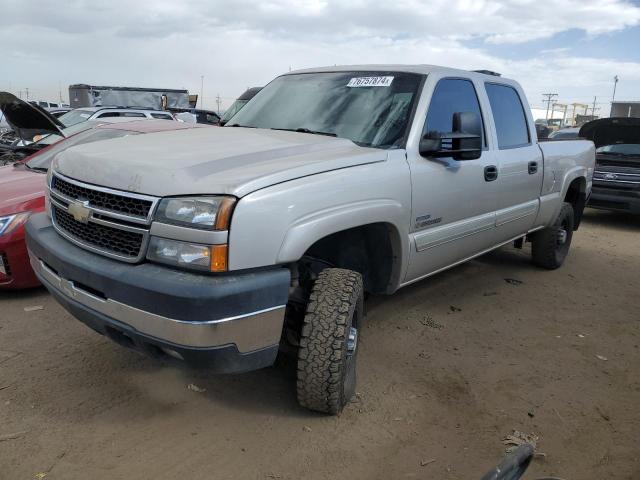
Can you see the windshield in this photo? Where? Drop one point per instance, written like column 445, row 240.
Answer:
column 621, row 149
column 370, row 108
column 75, row 116
column 41, row 160
column 233, row 109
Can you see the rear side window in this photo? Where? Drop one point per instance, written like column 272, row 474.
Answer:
column 508, row 116
column 162, row 116
column 450, row 96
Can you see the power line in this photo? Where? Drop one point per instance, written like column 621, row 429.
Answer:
column 549, row 100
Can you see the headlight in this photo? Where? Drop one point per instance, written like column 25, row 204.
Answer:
column 11, row 222
column 212, row 258
column 206, row 213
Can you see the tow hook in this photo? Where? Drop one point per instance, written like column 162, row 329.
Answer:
column 352, row 341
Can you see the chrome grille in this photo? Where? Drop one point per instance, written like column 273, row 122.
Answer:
column 618, row 176
column 125, row 205
column 110, row 222
column 114, row 240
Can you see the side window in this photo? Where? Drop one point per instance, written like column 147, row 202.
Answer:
column 162, row 116
column 109, row 114
column 450, row 96
column 508, row 116
column 133, row 114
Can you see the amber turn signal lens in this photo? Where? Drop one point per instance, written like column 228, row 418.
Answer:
column 223, row 216
column 219, row 254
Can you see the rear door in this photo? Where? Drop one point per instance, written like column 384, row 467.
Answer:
column 520, row 168
column 453, row 201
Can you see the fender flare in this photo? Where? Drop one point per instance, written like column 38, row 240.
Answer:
column 307, row 230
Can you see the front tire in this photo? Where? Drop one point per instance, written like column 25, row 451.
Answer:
column 329, row 341
column 550, row 246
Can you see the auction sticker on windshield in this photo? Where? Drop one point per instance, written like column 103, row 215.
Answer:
column 370, row 82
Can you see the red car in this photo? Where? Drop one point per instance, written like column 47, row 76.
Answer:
column 22, row 188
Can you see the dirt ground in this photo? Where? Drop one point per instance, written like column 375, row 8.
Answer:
column 447, row 368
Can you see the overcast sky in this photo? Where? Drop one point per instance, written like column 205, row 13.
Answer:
column 573, row 48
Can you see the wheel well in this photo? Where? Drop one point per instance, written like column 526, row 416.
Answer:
column 371, row 250
column 577, row 197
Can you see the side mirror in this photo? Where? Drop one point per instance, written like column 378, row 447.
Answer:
column 464, row 142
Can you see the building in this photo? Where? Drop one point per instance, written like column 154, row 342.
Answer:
column 625, row 109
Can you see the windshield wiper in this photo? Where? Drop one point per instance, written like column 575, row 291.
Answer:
column 36, row 169
column 241, row 126
column 306, row 130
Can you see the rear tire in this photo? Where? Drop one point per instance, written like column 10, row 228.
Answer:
column 329, row 341
column 550, row 246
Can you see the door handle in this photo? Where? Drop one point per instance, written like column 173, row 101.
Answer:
column 533, row 168
column 490, row 173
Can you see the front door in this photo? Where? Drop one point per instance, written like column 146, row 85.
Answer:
column 453, row 201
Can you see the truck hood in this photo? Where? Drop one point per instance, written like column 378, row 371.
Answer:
column 230, row 160
column 28, row 120
column 611, row 131
column 20, row 190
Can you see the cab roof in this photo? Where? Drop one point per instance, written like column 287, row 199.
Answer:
column 422, row 69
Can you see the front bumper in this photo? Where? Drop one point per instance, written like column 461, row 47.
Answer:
column 620, row 197
column 230, row 323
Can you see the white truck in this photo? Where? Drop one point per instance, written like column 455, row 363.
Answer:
column 219, row 246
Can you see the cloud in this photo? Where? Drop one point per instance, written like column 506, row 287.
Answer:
column 245, row 43
column 512, row 21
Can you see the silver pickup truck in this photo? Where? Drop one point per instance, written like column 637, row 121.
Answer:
column 221, row 245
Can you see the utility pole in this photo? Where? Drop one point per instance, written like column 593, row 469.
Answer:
column 613, row 97
column 549, row 100
column 202, row 91
column 593, row 108
column 27, row 90
column 218, row 101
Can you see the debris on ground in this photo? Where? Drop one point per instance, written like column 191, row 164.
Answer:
column 11, row 436
column 603, row 414
column 453, row 308
column 428, row 321
column 40, row 476
column 489, row 294
column 600, row 357
column 195, row 388
column 517, row 438
column 33, row 308
column 306, row 429
column 581, row 335
column 513, row 281
column 424, row 463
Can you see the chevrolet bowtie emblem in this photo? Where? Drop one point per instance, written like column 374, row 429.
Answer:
column 79, row 211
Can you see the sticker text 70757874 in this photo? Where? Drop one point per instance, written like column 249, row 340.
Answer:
column 370, row 82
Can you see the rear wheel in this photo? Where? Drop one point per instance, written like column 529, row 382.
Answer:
column 550, row 246
column 329, row 341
